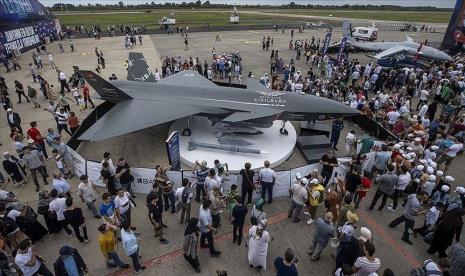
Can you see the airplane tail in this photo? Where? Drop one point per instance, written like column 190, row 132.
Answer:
column 138, row 70
column 106, row 90
column 347, row 30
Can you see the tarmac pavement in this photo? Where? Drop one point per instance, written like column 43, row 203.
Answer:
column 145, row 148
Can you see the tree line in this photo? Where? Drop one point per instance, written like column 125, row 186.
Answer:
column 207, row 4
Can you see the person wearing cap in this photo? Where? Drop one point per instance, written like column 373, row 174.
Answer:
column 417, row 147
column 258, row 245
column 442, row 195
column 35, row 162
column 430, row 153
column 411, row 210
column 14, row 169
column 347, row 251
column 13, row 119
column 315, row 197
column 299, row 196
column 429, row 185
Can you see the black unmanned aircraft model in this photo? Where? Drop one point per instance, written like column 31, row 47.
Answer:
column 142, row 102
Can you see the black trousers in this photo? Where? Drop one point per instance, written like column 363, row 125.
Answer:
column 42, row 171
column 379, row 194
column 209, row 237
column 237, row 232
column 247, row 190
column 64, row 85
column 77, row 232
column 193, row 262
column 43, row 270
column 199, row 189
column 409, row 224
column 64, row 225
column 395, row 198
column 326, row 175
column 216, row 219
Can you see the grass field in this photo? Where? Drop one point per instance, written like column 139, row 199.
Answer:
column 221, row 17
column 150, row 19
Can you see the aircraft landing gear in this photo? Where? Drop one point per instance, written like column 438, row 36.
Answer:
column 187, row 131
column 283, row 129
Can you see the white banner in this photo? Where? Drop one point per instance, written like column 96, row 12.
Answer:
column 282, row 184
column 143, row 180
column 75, row 162
column 93, row 172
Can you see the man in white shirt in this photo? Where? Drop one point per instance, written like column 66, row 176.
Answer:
column 299, row 197
column 50, row 61
column 27, row 261
column 107, row 158
column 392, row 116
column 123, row 206
column 63, row 82
column 184, row 195
column 88, row 194
column 423, row 98
column 450, row 153
column 58, row 206
column 423, row 110
column 267, row 178
column 60, row 184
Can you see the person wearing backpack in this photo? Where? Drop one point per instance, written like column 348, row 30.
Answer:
column 70, row 263
column 9, row 228
column 184, row 195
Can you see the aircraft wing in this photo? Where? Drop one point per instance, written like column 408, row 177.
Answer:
column 392, row 52
column 187, row 78
column 133, row 115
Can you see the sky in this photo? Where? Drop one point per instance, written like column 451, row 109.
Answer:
column 409, row 3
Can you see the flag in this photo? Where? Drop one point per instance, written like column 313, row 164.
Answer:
column 326, row 44
column 340, row 56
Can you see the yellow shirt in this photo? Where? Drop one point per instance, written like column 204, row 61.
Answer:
column 107, row 242
column 319, row 188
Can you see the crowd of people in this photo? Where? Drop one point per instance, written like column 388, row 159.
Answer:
column 412, row 168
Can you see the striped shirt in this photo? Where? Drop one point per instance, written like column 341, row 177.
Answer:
column 366, row 266
column 62, row 118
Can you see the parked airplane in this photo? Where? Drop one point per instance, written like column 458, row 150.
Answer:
column 399, row 49
column 142, row 104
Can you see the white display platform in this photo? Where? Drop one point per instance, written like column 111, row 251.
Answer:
column 275, row 147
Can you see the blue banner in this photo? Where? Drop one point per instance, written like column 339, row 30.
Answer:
column 28, row 35
column 172, row 148
column 324, row 51
column 340, row 56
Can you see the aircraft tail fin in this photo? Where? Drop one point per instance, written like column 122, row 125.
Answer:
column 106, row 90
column 138, row 70
column 347, row 30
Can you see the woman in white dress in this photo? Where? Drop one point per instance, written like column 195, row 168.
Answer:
column 258, row 245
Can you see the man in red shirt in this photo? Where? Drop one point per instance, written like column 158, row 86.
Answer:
column 34, row 134
column 86, row 95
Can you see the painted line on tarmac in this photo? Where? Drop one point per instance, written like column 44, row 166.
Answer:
column 276, row 219
column 399, row 248
column 177, row 253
